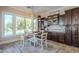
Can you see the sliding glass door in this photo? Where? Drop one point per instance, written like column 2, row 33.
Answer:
column 8, row 25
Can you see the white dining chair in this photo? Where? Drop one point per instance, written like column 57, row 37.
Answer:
column 42, row 41
column 33, row 40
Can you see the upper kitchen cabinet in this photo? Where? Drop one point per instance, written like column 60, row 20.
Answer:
column 75, row 16
column 68, row 17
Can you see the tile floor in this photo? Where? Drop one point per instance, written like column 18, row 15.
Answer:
column 53, row 47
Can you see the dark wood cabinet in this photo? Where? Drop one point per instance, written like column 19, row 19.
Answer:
column 61, row 33
column 49, row 37
column 74, row 17
column 78, row 37
column 68, row 34
column 71, row 27
column 75, row 27
column 57, row 33
column 52, row 36
column 70, row 22
column 61, row 37
column 74, row 35
column 67, row 17
column 68, row 28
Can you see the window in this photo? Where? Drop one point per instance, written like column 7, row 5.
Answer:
column 29, row 24
column 35, row 25
column 20, row 25
column 16, row 25
column 8, row 24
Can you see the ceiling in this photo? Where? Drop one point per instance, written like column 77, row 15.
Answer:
column 40, row 10
column 21, row 8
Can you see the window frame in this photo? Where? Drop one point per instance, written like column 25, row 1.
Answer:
column 3, row 23
column 13, row 23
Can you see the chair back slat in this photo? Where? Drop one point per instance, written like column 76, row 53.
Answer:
column 44, row 36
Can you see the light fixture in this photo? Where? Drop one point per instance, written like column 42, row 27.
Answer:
column 32, row 8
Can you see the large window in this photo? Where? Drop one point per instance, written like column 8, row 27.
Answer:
column 16, row 25
column 20, row 25
column 8, row 24
column 29, row 24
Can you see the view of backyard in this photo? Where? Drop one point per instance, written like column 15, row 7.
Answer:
column 22, row 23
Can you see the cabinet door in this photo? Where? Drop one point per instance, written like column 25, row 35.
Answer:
column 74, row 16
column 78, row 37
column 49, row 36
column 74, row 35
column 61, row 37
column 77, row 13
column 54, row 36
column 68, row 17
column 68, row 34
